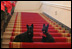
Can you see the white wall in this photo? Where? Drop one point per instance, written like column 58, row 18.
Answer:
column 27, row 6
column 60, row 10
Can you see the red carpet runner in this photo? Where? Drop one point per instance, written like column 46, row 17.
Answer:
column 38, row 21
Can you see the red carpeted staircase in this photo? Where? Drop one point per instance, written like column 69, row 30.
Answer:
column 62, row 38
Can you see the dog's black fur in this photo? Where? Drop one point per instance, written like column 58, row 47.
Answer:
column 26, row 36
column 48, row 37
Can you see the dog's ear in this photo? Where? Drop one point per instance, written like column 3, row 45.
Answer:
column 47, row 25
column 32, row 25
column 43, row 25
column 27, row 26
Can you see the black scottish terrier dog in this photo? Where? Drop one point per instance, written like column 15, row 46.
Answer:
column 47, row 37
column 26, row 36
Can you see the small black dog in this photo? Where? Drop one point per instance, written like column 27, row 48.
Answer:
column 26, row 36
column 48, row 37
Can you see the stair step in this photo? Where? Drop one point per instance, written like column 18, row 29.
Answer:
column 57, row 39
column 39, row 34
column 36, row 30
column 6, row 40
column 38, row 39
column 5, row 46
column 40, row 45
